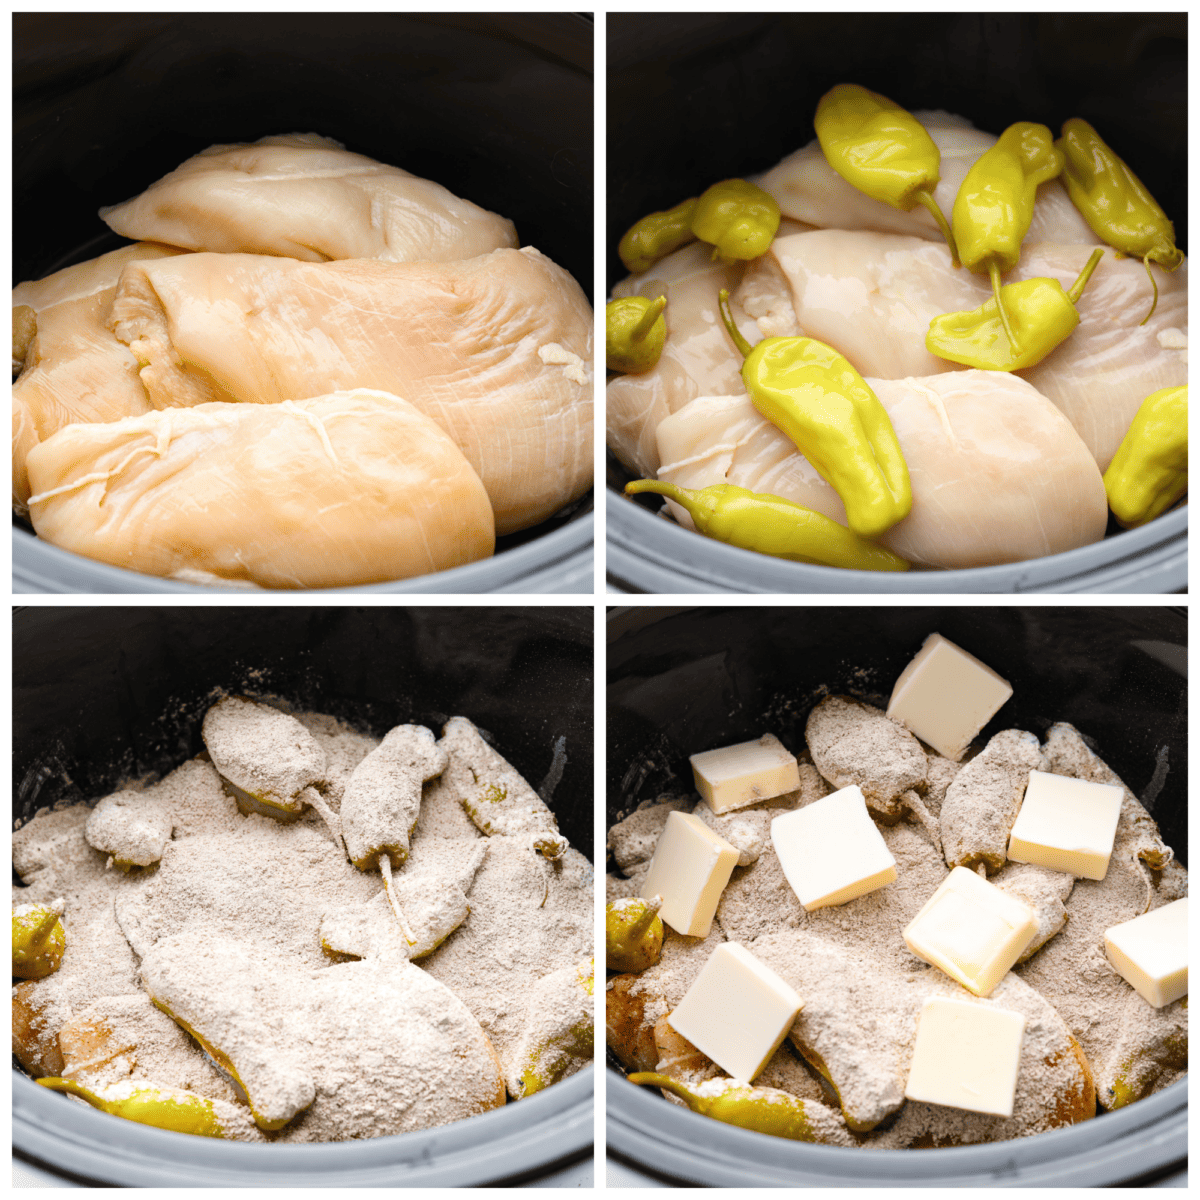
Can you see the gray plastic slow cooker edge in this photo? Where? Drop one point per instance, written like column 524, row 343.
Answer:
column 649, row 554
column 505, row 1144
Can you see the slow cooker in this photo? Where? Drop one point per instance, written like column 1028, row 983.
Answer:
column 101, row 695
column 496, row 107
column 680, row 680
column 697, row 98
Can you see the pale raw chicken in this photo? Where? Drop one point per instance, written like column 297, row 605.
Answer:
column 809, row 189
column 72, row 367
column 497, row 350
column 998, row 474
column 303, row 196
column 352, row 488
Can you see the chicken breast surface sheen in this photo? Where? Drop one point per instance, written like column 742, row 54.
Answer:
column 351, row 488
column 998, row 474
column 71, row 366
column 303, row 196
column 497, row 350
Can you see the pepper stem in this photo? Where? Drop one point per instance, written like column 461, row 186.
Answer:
column 647, row 918
column 651, row 315
column 727, row 316
column 1146, row 264
column 994, row 272
column 1077, row 287
column 926, row 198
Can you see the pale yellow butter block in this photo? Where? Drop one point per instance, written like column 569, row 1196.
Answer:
column 1066, row 824
column 971, row 930
column 1151, row 953
column 735, row 776
column 738, row 1011
column 966, row 1055
column 946, row 696
column 831, row 851
column 689, row 870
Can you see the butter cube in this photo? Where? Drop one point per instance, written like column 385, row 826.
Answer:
column 966, row 1056
column 735, row 776
column 971, row 930
column 831, row 850
column 1066, row 824
column 946, row 696
column 1151, row 952
column 689, row 870
column 738, row 1011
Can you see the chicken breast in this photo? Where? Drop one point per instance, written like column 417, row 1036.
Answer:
column 497, row 350
column 351, row 488
column 809, row 189
column 998, row 474
column 304, row 196
column 71, row 366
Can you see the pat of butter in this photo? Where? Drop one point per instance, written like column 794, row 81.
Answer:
column 738, row 1011
column 689, row 870
column 735, row 776
column 1066, row 824
column 831, row 850
column 1151, row 953
column 946, row 696
column 971, row 930
column 966, row 1056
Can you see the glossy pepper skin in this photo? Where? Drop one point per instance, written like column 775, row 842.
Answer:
column 184, row 1112
column 772, row 525
column 634, row 333
column 882, row 150
column 738, row 219
column 633, row 934
column 38, row 942
column 1041, row 313
column 1149, row 472
column 994, row 206
column 657, row 235
column 1115, row 202
column 813, row 394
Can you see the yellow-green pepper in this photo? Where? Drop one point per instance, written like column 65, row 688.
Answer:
column 882, row 150
column 633, row 933
column 738, row 219
column 1041, row 313
column 772, row 525
column 824, row 405
column 634, row 333
column 657, row 235
column 184, row 1112
column 1149, row 471
column 38, row 941
column 994, row 206
column 1115, row 202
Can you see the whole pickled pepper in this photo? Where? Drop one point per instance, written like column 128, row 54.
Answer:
column 1149, row 472
column 655, row 236
column 634, row 333
column 633, row 933
column 738, row 219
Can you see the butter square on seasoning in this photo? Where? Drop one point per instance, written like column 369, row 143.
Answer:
column 1151, row 953
column 1066, row 824
column 738, row 1011
column 971, row 930
column 689, row 870
column 946, row 696
column 967, row 1056
column 735, row 776
column 831, row 850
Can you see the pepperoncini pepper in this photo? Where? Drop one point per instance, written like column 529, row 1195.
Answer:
column 184, row 1112
column 824, row 405
column 1115, row 202
column 1041, row 313
column 38, row 940
column 657, row 235
column 633, row 933
column 772, row 525
column 634, row 333
column 1149, row 471
column 994, row 206
column 738, row 219
column 882, row 150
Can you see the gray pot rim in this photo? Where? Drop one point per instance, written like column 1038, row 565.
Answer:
column 655, row 555
column 521, row 1138
column 1113, row 1148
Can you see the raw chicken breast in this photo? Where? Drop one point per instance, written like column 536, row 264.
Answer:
column 351, row 488
column 998, row 474
column 72, row 367
column 496, row 349
column 303, row 196
column 809, row 189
